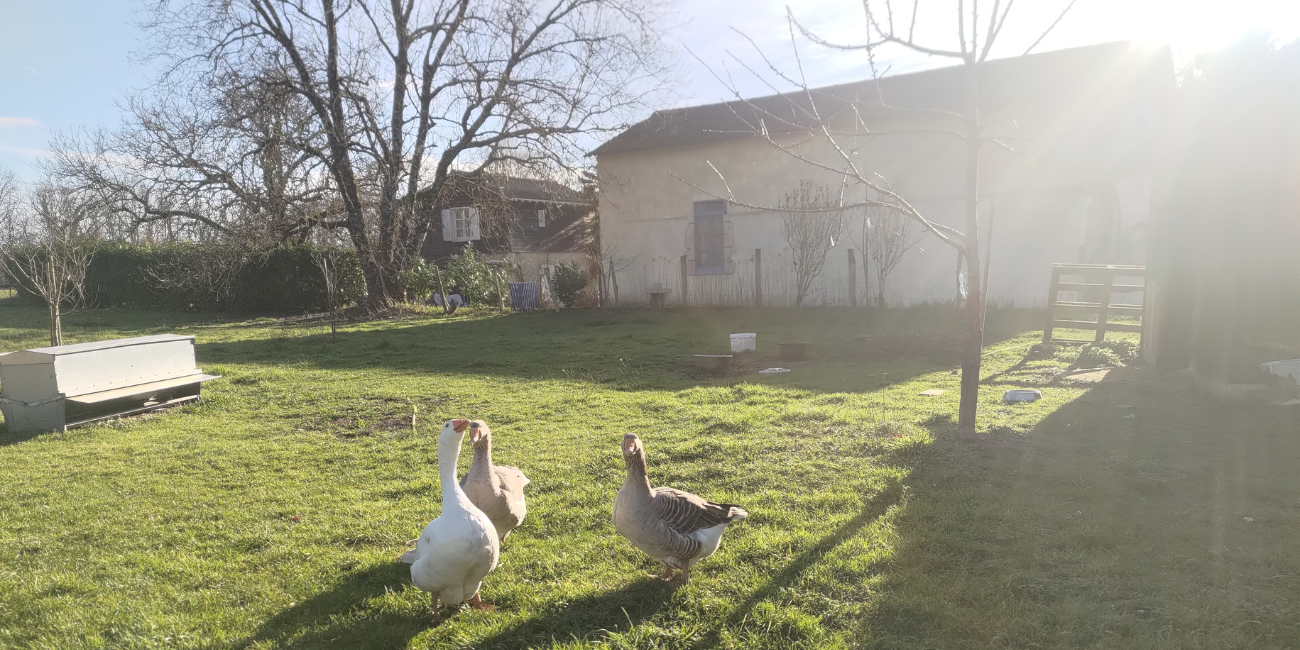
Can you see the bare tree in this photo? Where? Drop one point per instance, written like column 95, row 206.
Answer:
column 402, row 92
column 211, row 158
column 327, row 259
column 812, row 224
column 48, row 254
column 10, row 202
column 841, row 125
column 886, row 236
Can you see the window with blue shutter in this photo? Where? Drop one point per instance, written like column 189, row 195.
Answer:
column 710, row 237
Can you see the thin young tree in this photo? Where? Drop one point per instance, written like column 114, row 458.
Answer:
column 812, row 224
column 10, row 202
column 887, row 235
column 841, row 126
column 327, row 259
column 48, row 254
column 403, row 92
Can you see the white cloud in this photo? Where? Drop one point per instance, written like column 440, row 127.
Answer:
column 26, row 152
column 7, row 122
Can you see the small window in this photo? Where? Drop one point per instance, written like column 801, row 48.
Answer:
column 460, row 224
column 463, row 221
column 541, row 218
column 710, row 231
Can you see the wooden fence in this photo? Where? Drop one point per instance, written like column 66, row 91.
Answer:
column 1094, row 286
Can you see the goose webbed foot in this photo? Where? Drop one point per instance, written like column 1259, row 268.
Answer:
column 477, row 603
column 666, row 576
column 433, row 607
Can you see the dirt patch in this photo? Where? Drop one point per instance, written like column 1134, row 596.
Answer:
column 379, row 415
column 745, row 364
column 361, row 426
column 1093, row 376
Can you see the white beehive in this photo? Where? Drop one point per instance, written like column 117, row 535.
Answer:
column 51, row 389
column 746, row 342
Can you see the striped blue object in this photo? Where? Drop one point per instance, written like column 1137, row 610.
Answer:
column 523, row 295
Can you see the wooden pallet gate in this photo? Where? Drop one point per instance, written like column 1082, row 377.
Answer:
column 1095, row 287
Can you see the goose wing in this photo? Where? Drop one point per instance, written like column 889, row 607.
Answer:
column 512, row 479
column 685, row 513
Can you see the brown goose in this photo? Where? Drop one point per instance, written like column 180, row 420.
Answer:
column 496, row 490
column 675, row 527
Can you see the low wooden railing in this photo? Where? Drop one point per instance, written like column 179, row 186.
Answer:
column 1102, row 308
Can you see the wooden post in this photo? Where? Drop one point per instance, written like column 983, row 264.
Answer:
column 758, row 277
column 1103, row 308
column 853, row 280
column 613, row 282
column 501, row 297
column 685, row 283
column 1051, row 304
column 548, row 286
column 442, row 290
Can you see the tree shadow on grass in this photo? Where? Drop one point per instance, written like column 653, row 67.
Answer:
column 790, row 575
column 1061, row 536
column 329, row 619
column 586, row 618
column 340, row 617
column 632, row 350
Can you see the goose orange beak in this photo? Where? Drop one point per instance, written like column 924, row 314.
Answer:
column 631, row 443
column 459, row 425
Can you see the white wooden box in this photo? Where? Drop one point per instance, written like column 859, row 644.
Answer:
column 51, row 389
column 745, row 342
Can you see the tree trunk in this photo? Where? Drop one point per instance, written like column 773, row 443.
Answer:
column 973, row 343
column 442, row 290
column 53, row 296
column 384, row 288
column 56, row 327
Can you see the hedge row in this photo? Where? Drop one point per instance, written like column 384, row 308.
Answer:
column 184, row 277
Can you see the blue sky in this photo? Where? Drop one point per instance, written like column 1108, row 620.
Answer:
column 65, row 64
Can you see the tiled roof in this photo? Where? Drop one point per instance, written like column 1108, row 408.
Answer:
column 1037, row 83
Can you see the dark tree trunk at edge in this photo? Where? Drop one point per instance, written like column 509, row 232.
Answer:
column 973, row 343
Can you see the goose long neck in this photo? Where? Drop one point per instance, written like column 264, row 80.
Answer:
column 448, row 454
column 637, row 481
column 483, row 454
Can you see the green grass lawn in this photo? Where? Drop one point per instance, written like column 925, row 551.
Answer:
column 1074, row 521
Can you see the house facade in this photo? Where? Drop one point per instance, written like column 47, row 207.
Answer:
column 532, row 224
column 690, row 198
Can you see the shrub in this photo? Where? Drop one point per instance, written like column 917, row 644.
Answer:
column 567, row 281
column 473, row 276
column 420, row 280
column 193, row 276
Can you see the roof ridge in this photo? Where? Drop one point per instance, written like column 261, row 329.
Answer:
column 912, row 74
column 920, row 89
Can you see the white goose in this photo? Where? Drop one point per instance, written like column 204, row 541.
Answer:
column 675, row 527
column 459, row 548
